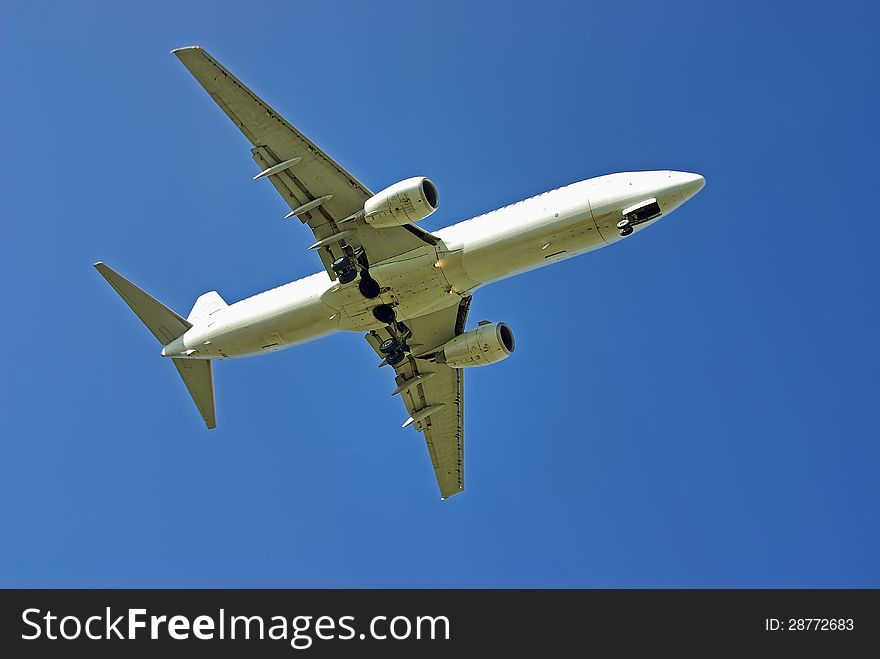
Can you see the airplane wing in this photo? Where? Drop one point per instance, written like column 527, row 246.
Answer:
column 317, row 189
column 434, row 393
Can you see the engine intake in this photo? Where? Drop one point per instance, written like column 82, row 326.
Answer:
column 487, row 344
column 410, row 200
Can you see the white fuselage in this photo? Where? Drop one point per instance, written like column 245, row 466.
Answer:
column 526, row 235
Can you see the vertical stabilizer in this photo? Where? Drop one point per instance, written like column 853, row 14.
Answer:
column 206, row 305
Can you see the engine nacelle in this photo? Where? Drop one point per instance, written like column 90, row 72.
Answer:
column 410, row 200
column 484, row 345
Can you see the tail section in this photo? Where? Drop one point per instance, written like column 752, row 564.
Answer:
column 198, row 378
column 159, row 319
column 206, row 305
column 167, row 326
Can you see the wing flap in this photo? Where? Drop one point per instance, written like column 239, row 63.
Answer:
column 444, row 428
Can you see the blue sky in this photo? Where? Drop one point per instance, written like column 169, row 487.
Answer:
column 694, row 407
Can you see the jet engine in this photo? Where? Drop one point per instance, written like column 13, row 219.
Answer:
column 487, row 344
column 410, row 200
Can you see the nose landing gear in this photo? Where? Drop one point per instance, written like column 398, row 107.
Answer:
column 643, row 211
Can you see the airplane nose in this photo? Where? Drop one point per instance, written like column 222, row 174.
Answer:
column 689, row 185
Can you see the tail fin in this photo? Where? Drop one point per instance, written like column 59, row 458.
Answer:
column 205, row 306
column 167, row 326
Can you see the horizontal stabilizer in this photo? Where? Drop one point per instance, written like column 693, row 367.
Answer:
column 198, row 378
column 159, row 319
column 167, row 326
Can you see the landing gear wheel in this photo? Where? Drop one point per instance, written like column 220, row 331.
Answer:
column 347, row 277
column 345, row 269
column 623, row 223
column 389, row 346
column 395, row 358
column 368, row 286
column 625, row 231
column 384, row 313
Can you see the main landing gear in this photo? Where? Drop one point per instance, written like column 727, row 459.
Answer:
column 347, row 269
column 384, row 313
column 394, row 348
column 624, row 227
column 368, row 286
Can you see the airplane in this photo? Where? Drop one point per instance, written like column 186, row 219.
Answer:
column 408, row 289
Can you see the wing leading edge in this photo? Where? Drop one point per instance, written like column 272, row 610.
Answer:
column 317, row 189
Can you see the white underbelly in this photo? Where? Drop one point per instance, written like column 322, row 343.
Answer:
column 502, row 247
column 279, row 318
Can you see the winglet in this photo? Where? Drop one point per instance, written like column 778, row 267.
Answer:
column 177, row 50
